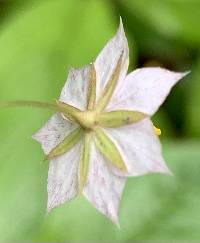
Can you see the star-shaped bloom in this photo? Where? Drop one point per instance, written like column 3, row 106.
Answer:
column 105, row 135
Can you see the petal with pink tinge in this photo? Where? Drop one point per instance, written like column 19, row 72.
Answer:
column 63, row 184
column 53, row 132
column 75, row 90
column 139, row 147
column 144, row 90
column 63, row 170
column 103, row 188
column 106, row 61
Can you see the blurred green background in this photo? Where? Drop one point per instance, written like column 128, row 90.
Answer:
column 39, row 41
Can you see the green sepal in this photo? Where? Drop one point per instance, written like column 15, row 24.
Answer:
column 71, row 140
column 68, row 111
column 91, row 99
column 110, row 87
column 109, row 149
column 85, row 159
column 120, row 118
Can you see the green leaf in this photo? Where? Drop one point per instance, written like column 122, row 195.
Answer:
column 71, row 140
column 120, row 118
column 109, row 149
column 192, row 119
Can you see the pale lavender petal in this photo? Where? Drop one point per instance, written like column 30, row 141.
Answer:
column 144, row 90
column 103, row 189
column 140, row 148
column 53, row 132
column 63, row 182
column 75, row 89
column 107, row 59
column 63, row 170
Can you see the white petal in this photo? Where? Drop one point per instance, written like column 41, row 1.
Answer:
column 53, row 132
column 103, row 189
column 63, row 182
column 75, row 89
column 144, row 90
column 140, row 148
column 108, row 57
column 63, row 170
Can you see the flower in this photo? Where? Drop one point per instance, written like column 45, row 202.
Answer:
column 104, row 133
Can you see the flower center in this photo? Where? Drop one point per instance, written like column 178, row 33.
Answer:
column 87, row 119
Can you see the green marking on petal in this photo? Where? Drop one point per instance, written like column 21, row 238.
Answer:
column 109, row 149
column 92, row 88
column 110, row 87
column 84, row 165
column 120, row 118
column 72, row 139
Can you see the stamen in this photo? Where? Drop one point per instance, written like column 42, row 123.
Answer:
column 157, row 131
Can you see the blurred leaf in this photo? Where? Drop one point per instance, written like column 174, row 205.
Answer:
column 193, row 103
column 172, row 18
column 161, row 120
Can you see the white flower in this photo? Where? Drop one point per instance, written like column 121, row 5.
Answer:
column 108, row 135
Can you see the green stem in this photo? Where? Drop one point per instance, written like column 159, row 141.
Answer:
column 68, row 110
column 28, row 103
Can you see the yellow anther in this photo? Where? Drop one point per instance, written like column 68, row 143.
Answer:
column 157, row 131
